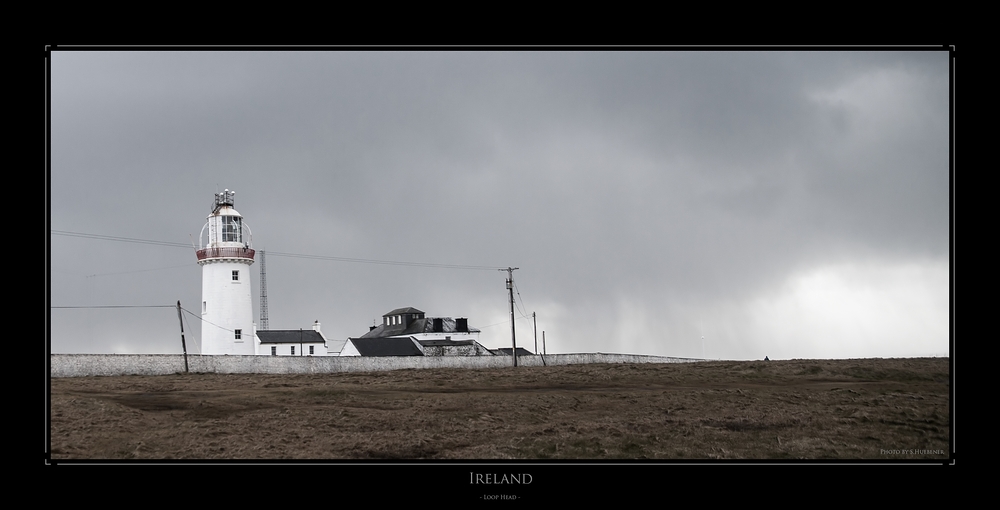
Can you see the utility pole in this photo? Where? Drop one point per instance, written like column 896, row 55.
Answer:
column 534, row 327
column 183, row 344
column 510, row 292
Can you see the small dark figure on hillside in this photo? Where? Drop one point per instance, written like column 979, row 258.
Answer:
column 765, row 358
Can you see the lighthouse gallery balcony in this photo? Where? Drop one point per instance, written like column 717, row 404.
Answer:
column 225, row 253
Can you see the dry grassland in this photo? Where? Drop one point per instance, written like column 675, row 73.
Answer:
column 885, row 409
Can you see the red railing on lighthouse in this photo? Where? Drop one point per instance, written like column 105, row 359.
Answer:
column 225, row 253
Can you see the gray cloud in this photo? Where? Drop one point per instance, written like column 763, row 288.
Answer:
column 648, row 197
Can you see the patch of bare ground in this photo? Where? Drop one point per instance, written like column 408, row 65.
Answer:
column 886, row 409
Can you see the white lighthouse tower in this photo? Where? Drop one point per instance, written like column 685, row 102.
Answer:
column 225, row 256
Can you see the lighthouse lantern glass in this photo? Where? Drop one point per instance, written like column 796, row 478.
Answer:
column 232, row 231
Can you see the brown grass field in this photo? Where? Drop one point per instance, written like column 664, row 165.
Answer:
column 867, row 409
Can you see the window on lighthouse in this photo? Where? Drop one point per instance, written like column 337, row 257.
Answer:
column 236, row 276
column 232, row 229
column 239, row 334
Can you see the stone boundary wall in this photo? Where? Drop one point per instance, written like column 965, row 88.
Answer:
column 81, row 365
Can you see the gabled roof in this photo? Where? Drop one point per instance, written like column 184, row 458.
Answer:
column 289, row 336
column 416, row 327
column 400, row 311
column 505, row 351
column 386, row 346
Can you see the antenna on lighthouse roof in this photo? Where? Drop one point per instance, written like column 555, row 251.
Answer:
column 223, row 199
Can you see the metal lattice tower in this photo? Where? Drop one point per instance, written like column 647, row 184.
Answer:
column 263, row 293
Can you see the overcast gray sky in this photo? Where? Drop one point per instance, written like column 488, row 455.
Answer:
column 788, row 204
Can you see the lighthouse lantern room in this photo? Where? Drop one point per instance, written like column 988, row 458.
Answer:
column 225, row 254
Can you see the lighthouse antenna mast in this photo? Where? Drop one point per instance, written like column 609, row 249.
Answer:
column 263, row 293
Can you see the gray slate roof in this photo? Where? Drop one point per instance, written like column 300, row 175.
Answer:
column 401, row 311
column 289, row 336
column 505, row 351
column 386, row 346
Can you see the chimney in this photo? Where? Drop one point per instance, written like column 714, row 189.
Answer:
column 316, row 326
column 438, row 325
column 462, row 324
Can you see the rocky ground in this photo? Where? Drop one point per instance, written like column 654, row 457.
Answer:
column 882, row 409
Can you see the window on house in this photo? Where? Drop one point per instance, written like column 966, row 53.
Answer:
column 236, row 276
column 311, row 352
column 274, row 350
column 293, row 350
column 239, row 334
column 204, row 306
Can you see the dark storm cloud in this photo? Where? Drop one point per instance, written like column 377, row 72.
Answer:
column 624, row 184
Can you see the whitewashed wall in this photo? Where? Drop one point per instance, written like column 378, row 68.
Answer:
column 80, row 365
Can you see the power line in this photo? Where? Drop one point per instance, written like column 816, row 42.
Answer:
column 522, row 309
column 278, row 253
column 116, row 238
column 384, row 262
column 118, row 306
column 191, row 329
column 205, row 321
column 144, row 306
column 138, row 271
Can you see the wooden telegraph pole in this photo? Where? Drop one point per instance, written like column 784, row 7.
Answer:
column 183, row 344
column 534, row 327
column 510, row 292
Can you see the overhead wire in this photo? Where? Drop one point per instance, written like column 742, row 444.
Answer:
column 278, row 253
column 118, row 306
column 205, row 321
column 383, row 262
column 187, row 323
column 524, row 313
column 189, row 328
column 137, row 271
column 117, row 238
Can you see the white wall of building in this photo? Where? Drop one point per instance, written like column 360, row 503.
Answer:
column 226, row 306
column 225, row 257
column 302, row 349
